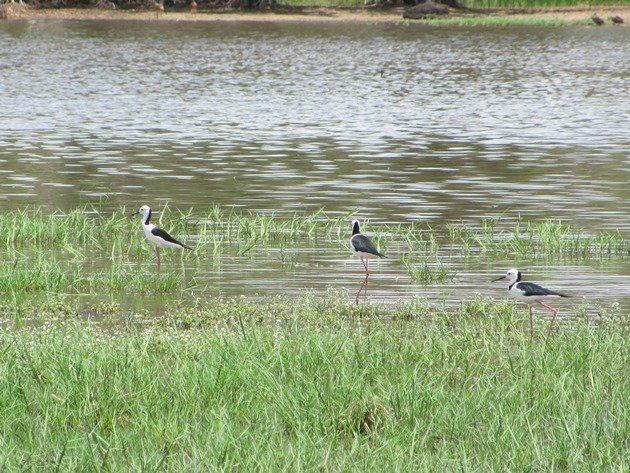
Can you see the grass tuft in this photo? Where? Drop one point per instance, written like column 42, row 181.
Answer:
column 425, row 274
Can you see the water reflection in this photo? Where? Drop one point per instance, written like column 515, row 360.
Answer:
column 462, row 124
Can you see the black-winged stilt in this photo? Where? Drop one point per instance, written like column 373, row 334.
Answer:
column 156, row 236
column 530, row 293
column 365, row 249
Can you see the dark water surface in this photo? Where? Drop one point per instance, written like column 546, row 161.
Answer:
column 462, row 124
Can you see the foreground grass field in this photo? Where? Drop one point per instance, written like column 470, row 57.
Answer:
column 313, row 384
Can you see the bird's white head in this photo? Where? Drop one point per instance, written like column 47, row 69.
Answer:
column 145, row 210
column 355, row 227
column 512, row 275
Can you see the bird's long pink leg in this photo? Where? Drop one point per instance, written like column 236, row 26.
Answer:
column 364, row 261
column 363, row 284
column 157, row 252
column 365, row 289
column 553, row 311
column 531, row 324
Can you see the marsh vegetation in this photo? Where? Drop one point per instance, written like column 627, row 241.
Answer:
column 56, row 251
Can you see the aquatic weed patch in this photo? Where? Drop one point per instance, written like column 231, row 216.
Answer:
column 115, row 230
column 57, row 252
column 32, row 226
column 550, row 237
column 338, row 391
column 425, row 273
column 52, row 275
column 119, row 236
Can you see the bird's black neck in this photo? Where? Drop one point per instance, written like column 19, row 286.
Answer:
column 147, row 218
column 518, row 278
column 355, row 228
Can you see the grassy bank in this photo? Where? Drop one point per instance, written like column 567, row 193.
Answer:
column 536, row 3
column 315, row 385
column 475, row 20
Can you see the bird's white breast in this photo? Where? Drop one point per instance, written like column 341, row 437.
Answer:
column 518, row 294
column 151, row 237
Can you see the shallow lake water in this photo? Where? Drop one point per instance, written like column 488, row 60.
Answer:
column 401, row 122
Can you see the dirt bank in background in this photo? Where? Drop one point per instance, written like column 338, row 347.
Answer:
column 392, row 15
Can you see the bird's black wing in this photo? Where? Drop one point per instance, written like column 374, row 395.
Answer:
column 364, row 244
column 158, row 232
column 531, row 289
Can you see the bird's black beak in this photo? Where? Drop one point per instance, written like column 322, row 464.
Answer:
column 498, row 279
column 132, row 214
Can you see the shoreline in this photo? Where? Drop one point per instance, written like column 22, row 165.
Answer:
column 576, row 14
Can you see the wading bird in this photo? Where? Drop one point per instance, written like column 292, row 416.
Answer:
column 598, row 20
column 617, row 20
column 530, row 293
column 158, row 7
column 156, row 236
column 365, row 249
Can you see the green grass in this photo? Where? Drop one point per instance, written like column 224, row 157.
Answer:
column 549, row 237
column 315, row 384
column 56, row 252
column 209, row 231
column 45, row 273
column 121, row 235
column 424, row 273
column 499, row 20
column 479, row 4
column 325, row 3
